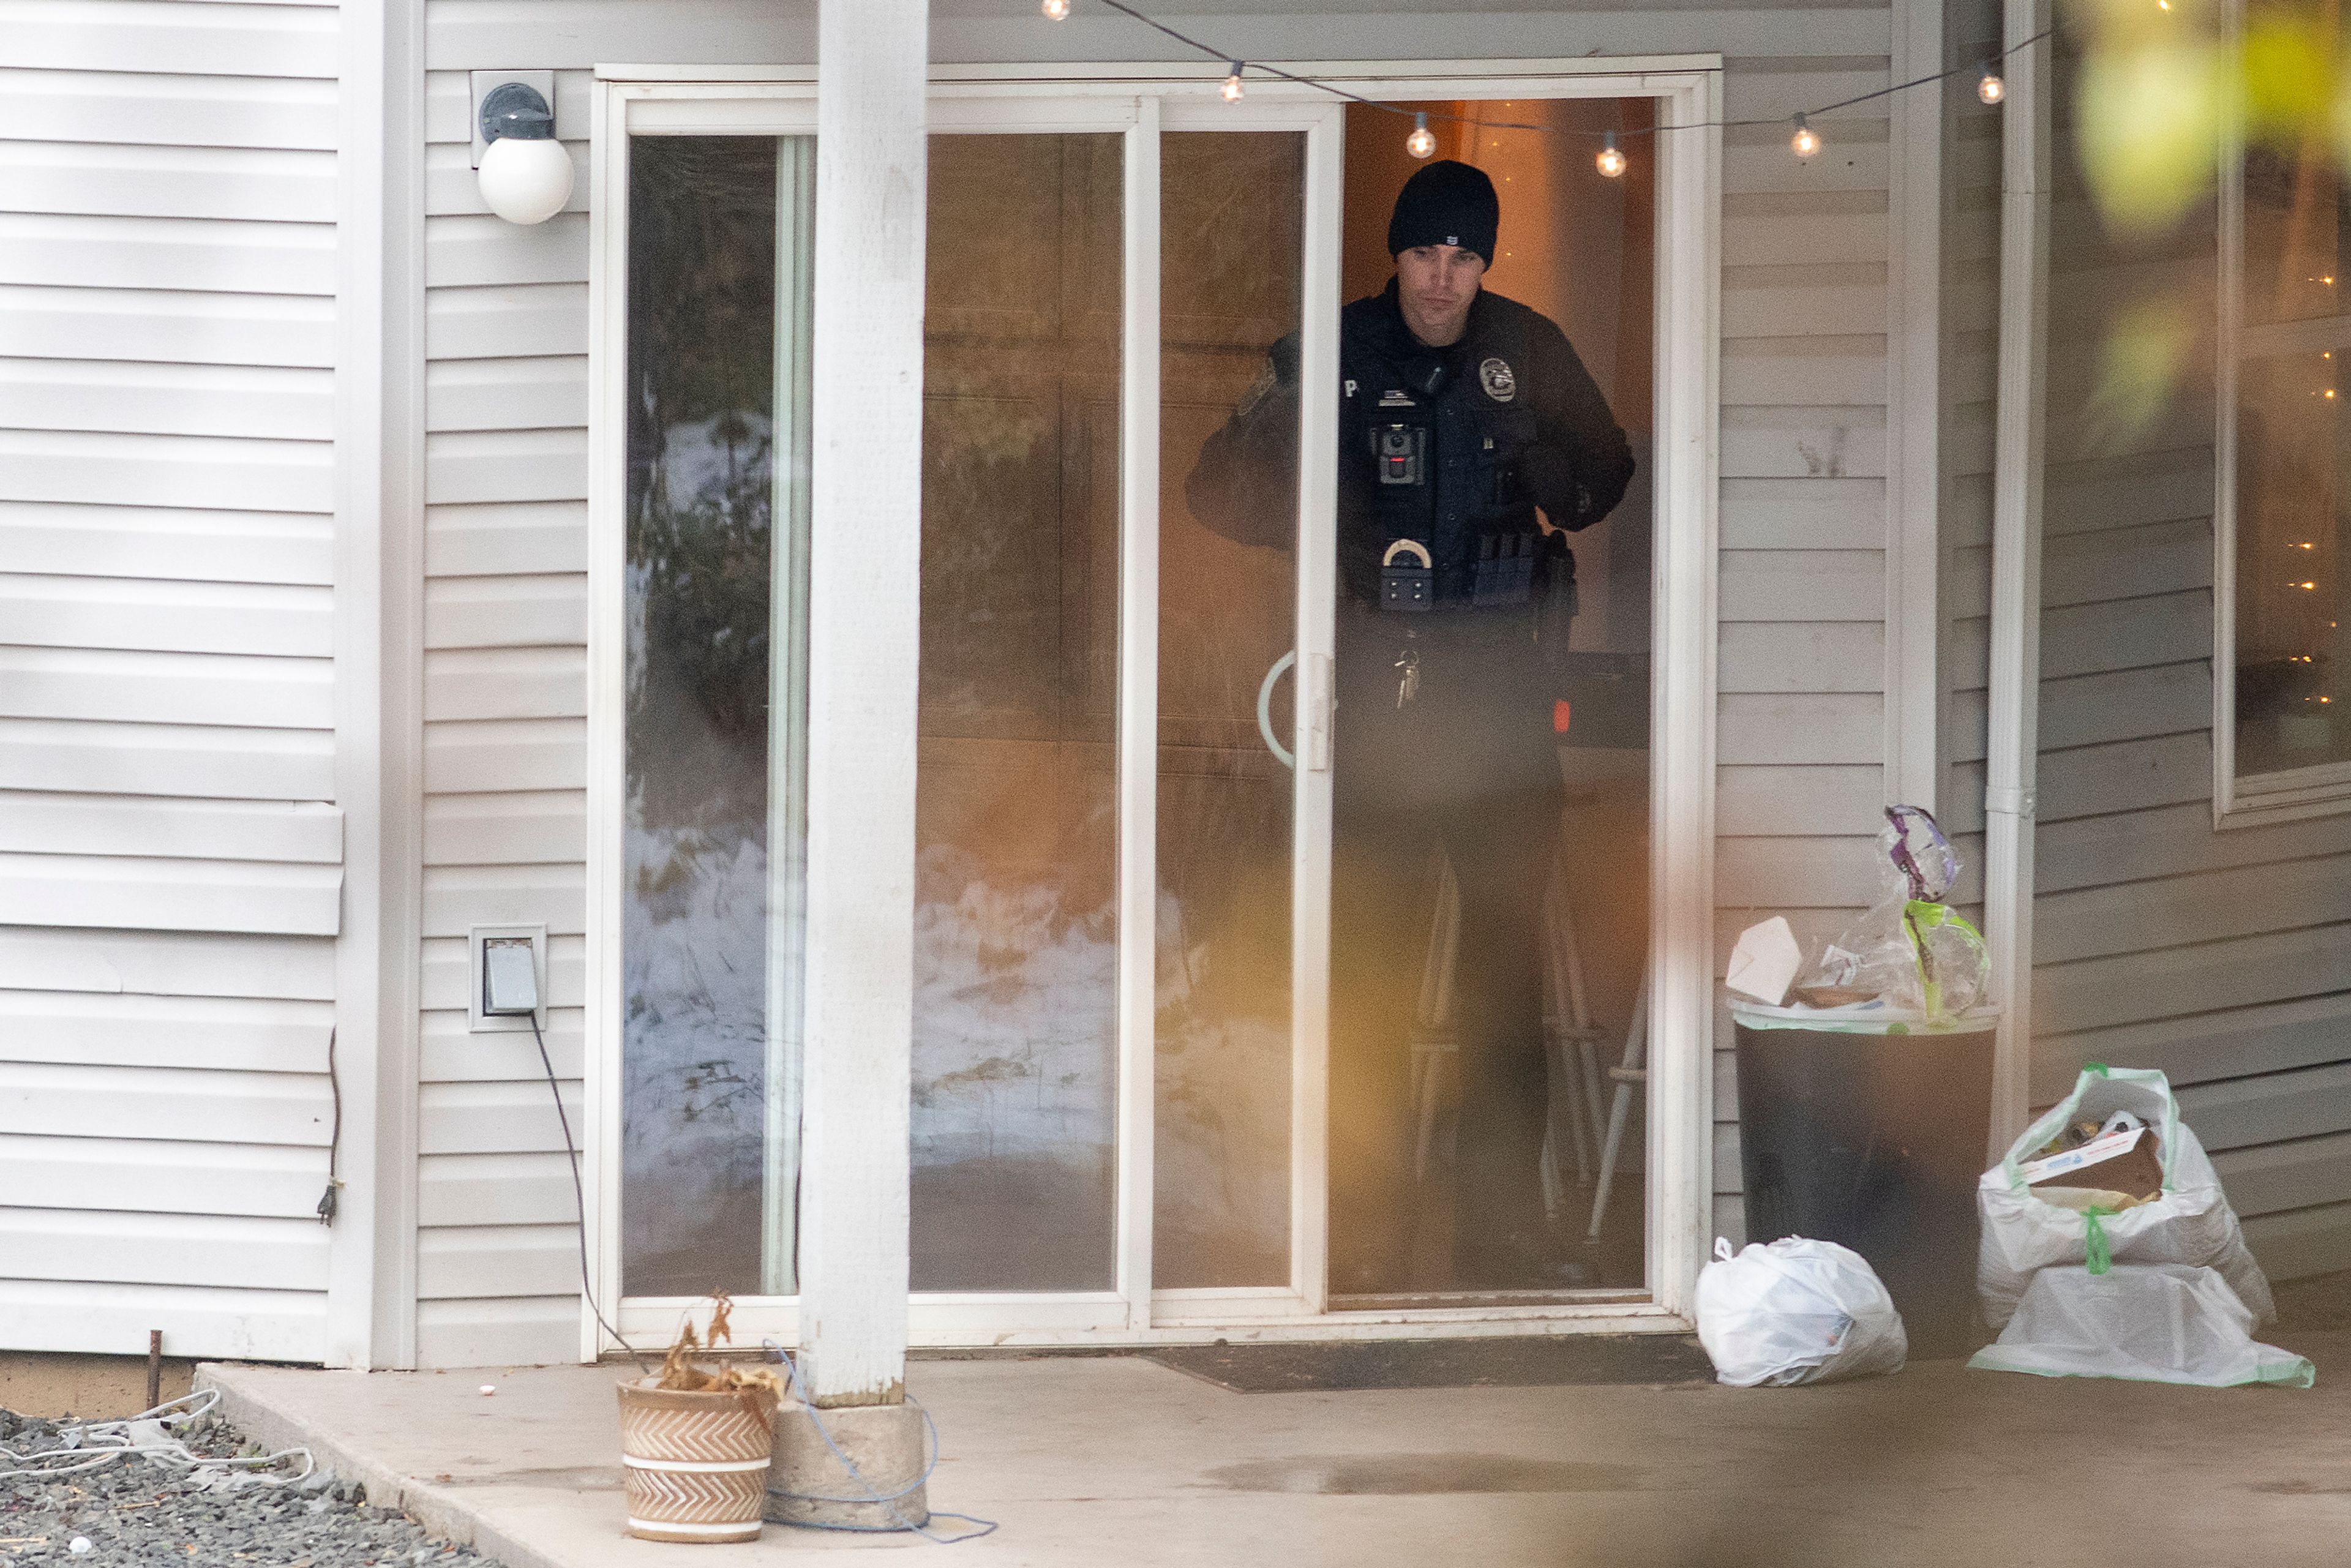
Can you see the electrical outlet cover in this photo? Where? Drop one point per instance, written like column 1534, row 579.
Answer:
column 478, row 1022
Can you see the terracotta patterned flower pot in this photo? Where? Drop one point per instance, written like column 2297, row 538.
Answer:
column 696, row 1463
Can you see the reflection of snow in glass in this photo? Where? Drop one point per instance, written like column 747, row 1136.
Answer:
column 695, row 923
column 1014, row 1020
column 1222, row 1144
column 694, row 968
column 702, row 459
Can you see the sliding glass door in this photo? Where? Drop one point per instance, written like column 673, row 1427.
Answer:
column 1124, row 808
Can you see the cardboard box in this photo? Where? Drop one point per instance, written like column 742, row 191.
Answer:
column 2119, row 1162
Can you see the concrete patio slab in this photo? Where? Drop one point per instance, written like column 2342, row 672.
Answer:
column 1118, row 1462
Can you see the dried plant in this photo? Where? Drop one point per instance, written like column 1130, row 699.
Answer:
column 680, row 1375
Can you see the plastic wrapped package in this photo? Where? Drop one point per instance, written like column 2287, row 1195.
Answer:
column 2188, row 1223
column 1796, row 1312
column 2159, row 1322
column 1910, row 948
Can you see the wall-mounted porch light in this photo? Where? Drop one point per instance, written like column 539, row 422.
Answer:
column 524, row 172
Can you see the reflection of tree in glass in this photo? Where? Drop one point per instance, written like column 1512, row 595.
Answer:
column 700, row 471
column 728, row 1085
column 701, row 374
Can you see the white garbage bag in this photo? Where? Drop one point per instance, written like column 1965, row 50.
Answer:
column 2159, row 1322
column 2191, row 1223
column 1796, row 1312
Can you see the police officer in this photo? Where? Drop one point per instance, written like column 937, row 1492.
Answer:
column 1471, row 439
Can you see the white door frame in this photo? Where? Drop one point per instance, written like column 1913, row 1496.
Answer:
column 1140, row 102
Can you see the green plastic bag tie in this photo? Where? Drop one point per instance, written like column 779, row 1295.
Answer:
column 1919, row 916
column 2100, row 1067
column 2098, row 1255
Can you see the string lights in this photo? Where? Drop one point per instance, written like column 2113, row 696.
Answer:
column 1421, row 143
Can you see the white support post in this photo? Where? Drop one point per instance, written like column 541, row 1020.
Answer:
column 379, row 674
column 2012, row 764
column 1914, row 250
column 863, row 603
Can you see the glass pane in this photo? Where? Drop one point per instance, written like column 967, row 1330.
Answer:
column 1490, row 766
column 1014, row 1068
column 2291, row 592
column 719, row 232
column 2290, row 608
column 1228, row 291
column 2294, row 225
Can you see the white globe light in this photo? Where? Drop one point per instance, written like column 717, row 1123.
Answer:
column 526, row 180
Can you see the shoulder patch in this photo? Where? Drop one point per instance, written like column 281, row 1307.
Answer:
column 1501, row 384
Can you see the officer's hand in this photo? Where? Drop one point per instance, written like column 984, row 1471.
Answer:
column 1547, row 474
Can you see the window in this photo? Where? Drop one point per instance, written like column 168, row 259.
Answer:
column 2282, row 595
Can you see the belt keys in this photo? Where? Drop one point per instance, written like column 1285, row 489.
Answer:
column 1408, row 683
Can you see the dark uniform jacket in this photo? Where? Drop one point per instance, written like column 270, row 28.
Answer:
column 1453, row 448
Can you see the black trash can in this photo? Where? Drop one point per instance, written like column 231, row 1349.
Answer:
column 1875, row 1141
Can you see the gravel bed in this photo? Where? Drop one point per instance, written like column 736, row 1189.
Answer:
column 138, row 1511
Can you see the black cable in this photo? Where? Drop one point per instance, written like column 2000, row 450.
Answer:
column 578, row 1194
column 1213, row 53
column 330, row 1201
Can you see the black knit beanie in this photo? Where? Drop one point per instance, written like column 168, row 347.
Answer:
column 1446, row 203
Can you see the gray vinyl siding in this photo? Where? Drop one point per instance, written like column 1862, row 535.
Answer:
column 1802, row 515
column 169, row 849
column 2224, row 958
column 506, row 556
column 1971, row 365
column 1801, row 711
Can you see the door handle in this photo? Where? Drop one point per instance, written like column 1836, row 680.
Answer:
column 1314, row 700
column 1265, row 709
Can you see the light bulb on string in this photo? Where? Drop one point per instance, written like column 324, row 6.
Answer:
column 1056, row 10
column 1611, row 162
column 1990, row 87
column 1805, row 141
column 1233, row 84
column 1422, row 142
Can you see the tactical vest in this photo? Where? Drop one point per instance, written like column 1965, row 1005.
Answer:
column 1429, row 458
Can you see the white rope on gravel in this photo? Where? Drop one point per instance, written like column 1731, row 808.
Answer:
column 93, row 1445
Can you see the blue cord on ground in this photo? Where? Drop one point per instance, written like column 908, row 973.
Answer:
column 888, row 1502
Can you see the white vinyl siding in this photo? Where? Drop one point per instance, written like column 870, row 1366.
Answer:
column 2223, row 958
column 170, row 855
column 505, row 733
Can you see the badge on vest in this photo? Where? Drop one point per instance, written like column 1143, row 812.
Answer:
column 1499, row 384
